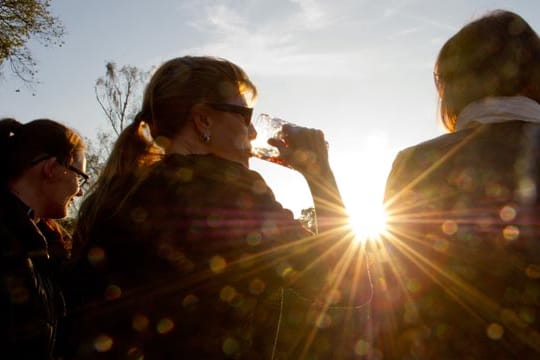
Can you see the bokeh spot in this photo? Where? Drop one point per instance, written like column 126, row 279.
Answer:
column 230, row 346
column 495, row 331
column 103, row 343
column 449, row 227
column 165, row 326
column 113, row 292
column 140, row 322
column 511, row 232
column 218, row 264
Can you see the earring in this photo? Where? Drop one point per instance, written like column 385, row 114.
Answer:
column 205, row 138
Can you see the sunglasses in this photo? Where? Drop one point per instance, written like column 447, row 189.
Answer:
column 245, row 112
column 82, row 178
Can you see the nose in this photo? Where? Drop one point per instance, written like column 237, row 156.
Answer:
column 252, row 133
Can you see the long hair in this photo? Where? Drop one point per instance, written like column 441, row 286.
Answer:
column 174, row 89
column 495, row 55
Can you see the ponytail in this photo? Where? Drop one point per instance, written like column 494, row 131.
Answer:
column 9, row 128
column 133, row 152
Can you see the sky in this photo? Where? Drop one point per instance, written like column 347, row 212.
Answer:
column 361, row 71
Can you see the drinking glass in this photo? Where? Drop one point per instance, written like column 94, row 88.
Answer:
column 268, row 127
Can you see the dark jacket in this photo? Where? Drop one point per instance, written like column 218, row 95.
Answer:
column 31, row 302
column 462, row 265
column 191, row 265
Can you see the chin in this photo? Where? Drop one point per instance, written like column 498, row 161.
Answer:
column 58, row 213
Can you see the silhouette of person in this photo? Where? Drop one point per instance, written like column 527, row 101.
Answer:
column 184, row 250
column 462, row 255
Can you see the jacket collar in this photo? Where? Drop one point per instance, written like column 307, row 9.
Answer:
column 25, row 236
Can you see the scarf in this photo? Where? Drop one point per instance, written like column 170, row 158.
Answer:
column 498, row 109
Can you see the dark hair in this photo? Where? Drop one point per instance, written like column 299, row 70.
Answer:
column 496, row 55
column 174, row 89
column 21, row 145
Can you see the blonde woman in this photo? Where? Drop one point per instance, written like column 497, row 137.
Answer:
column 180, row 250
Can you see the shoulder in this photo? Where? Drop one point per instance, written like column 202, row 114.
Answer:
column 205, row 168
column 423, row 155
column 482, row 138
column 485, row 149
column 213, row 180
column 414, row 164
column 432, row 147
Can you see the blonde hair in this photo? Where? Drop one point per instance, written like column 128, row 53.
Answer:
column 174, row 89
column 496, row 55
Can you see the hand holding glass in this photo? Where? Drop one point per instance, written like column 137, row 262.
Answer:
column 270, row 127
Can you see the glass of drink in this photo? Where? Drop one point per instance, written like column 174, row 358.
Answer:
column 268, row 127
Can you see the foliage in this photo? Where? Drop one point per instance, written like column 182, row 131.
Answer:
column 118, row 93
column 309, row 219
column 20, row 21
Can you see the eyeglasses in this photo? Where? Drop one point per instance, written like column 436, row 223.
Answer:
column 245, row 112
column 82, row 178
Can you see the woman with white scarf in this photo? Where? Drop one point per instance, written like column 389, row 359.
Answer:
column 463, row 244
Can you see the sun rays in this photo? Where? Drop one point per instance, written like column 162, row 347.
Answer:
column 339, row 286
column 435, row 260
column 395, row 261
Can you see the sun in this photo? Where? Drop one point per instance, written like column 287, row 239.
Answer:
column 368, row 223
column 363, row 188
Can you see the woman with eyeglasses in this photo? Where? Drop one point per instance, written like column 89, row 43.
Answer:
column 42, row 172
column 179, row 243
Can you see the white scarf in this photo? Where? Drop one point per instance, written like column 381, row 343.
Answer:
column 498, row 109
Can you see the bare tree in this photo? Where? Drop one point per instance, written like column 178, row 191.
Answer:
column 96, row 154
column 118, row 93
column 20, row 21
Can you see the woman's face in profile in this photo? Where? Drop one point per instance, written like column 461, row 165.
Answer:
column 65, row 186
column 232, row 132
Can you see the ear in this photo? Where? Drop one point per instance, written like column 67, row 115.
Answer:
column 201, row 119
column 48, row 167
